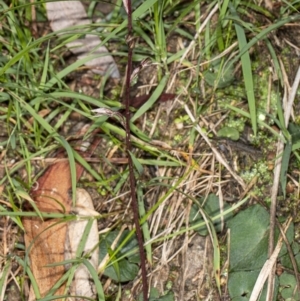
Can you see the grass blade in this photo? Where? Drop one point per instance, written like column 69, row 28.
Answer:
column 247, row 71
column 154, row 97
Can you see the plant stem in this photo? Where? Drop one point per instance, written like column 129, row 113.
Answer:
column 134, row 203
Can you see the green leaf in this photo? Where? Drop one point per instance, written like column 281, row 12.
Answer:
column 138, row 166
column 229, row 132
column 294, row 130
column 144, row 226
column 240, row 285
column 285, row 260
column 153, row 98
column 212, row 208
column 246, row 67
column 288, row 283
column 218, row 76
column 154, row 296
column 96, row 280
column 249, row 231
column 124, row 259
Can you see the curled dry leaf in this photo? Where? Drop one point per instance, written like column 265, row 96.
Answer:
column 66, row 14
column 45, row 240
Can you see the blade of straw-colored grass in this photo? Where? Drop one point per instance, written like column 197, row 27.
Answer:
column 247, row 71
column 291, row 99
column 202, row 223
column 153, row 98
column 267, row 268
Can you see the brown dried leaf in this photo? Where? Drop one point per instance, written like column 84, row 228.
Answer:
column 45, row 240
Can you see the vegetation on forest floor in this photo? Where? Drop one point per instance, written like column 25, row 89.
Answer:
column 216, row 145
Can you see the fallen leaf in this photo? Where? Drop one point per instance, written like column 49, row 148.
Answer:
column 45, row 240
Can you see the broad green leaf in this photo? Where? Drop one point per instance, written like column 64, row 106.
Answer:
column 249, row 234
column 218, row 76
column 240, row 285
column 154, row 296
column 285, row 260
column 288, row 283
column 125, row 260
column 212, row 208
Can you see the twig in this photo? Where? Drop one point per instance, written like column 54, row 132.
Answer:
column 134, row 204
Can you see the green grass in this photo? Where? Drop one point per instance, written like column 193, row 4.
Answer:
column 214, row 67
